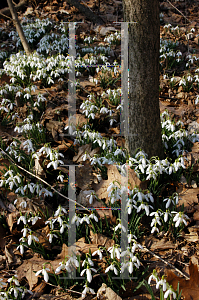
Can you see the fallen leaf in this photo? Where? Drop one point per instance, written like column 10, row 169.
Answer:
column 190, row 288
column 113, row 174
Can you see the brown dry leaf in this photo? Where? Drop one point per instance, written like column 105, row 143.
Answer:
column 11, row 219
column 101, row 240
column 83, row 247
column 39, row 289
column 113, row 174
column 28, row 267
column 2, row 236
column 193, row 234
column 190, row 288
column 83, row 149
column 154, row 244
column 188, row 197
column 9, row 256
column 84, row 176
column 42, row 236
column 106, row 293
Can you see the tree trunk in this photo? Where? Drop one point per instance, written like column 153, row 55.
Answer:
column 144, row 43
column 19, row 28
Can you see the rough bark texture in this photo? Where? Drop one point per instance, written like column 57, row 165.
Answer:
column 144, row 44
column 19, row 28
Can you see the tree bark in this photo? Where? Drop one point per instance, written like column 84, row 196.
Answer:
column 19, row 28
column 144, row 44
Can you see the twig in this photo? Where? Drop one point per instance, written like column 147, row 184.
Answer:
column 166, row 97
column 64, row 289
column 167, row 263
column 6, row 16
column 43, row 181
column 178, row 11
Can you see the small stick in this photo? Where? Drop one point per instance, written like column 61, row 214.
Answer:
column 43, row 181
column 167, row 263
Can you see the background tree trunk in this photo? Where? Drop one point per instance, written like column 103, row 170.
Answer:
column 144, row 44
column 19, row 28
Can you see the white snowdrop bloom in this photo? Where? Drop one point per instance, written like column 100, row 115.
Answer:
column 61, row 267
column 60, row 210
column 32, row 237
column 120, row 226
column 14, row 279
column 51, row 235
column 88, row 273
column 162, row 283
column 87, row 290
column 180, row 218
column 170, row 291
column 23, row 219
column 44, row 273
column 85, row 219
column 115, row 251
column 99, row 252
column 152, row 276
column 93, row 216
column 34, row 219
column 154, row 229
column 76, row 220
column 60, row 178
column 112, row 268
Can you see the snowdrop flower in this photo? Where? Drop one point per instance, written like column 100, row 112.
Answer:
column 180, row 218
column 85, row 156
column 115, row 251
column 112, row 268
column 144, row 206
column 60, row 177
column 93, row 216
column 23, row 219
column 91, row 197
column 85, row 219
column 61, row 267
column 88, row 273
column 170, row 291
column 14, row 279
column 76, row 220
column 51, row 235
column 155, row 229
column 60, row 210
column 34, row 219
column 131, row 237
column 44, row 273
column 21, row 246
column 99, row 252
column 154, row 277
column 63, row 226
column 87, row 290
column 32, row 238
column 163, row 283
column 156, row 219
column 51, row 223
column 120, row 226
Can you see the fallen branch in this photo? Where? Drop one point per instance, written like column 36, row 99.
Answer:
column 167, row 263
column 52, row 188
column 85, row 10
column 5, row 12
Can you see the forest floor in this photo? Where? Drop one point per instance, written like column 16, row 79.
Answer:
column 46, row 160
